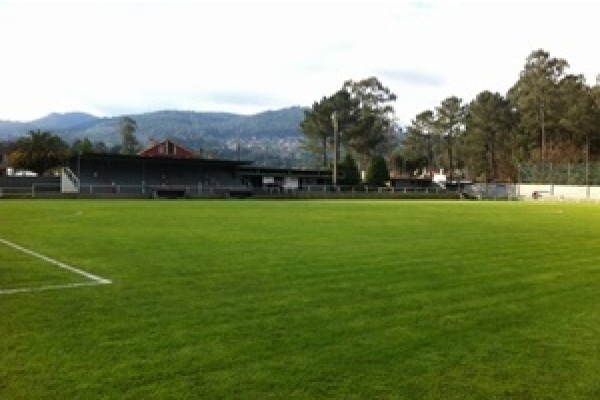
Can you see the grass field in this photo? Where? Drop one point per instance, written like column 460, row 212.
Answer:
column 301, row 299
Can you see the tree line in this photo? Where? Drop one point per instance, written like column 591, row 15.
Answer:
column 41, row 150
column 547, row 116
column 359, row 118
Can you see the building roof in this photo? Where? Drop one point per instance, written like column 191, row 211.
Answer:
column 167, row 148
column 156, row 160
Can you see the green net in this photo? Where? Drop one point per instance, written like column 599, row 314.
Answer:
column 560, row 174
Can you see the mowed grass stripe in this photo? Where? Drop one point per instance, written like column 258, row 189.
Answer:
column 321, row 299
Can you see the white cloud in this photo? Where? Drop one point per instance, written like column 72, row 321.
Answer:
column 125, row 57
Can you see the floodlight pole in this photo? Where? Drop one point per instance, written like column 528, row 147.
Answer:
column 334, row 120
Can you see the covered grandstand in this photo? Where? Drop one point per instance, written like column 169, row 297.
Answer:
column 105, row 174
column 115, row 173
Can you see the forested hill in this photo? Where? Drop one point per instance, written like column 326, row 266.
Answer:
column 187, row 126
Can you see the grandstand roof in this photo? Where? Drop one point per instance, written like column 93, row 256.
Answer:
column 159, row 159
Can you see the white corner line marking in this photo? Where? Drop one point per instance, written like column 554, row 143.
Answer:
column 46, row 288
column 96, row 279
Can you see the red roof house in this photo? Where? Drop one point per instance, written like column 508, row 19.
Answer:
column 167, row 148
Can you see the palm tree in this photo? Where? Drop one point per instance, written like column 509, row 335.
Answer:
column 39, row 152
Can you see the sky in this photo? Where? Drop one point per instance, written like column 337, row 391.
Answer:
column 112, row 58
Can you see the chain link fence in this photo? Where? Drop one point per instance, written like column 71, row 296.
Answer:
column 561, row 174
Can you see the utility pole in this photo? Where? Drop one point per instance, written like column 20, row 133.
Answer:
column 79, row 170
column 543, row 150
column 334, row 120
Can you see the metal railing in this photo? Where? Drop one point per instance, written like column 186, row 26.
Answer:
column 200, row 189
column 29, row 191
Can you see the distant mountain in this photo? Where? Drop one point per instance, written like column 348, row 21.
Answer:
column 10, row 130
column 54, row 122
column 269, row 138
column 58, row 122
column 187, row 126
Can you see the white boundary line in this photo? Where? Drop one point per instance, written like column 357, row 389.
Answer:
column 46, row 288
column 96, row 280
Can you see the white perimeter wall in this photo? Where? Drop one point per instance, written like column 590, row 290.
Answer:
column 559, row 192
column 545, row 191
